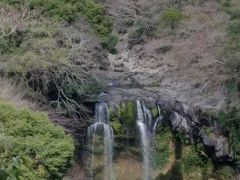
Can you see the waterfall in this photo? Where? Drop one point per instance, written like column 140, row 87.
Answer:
column 160, row 117
column 147, row 130
column 101, row 124
column 142, row 117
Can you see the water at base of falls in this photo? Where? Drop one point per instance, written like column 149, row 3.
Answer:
column 101, row 124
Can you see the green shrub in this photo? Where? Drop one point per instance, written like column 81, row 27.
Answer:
column 161, row 148
column 65, row 87
column 117, row 127
column 232, row 39
column 64, row 10
column 9, row 44
column 224, row 173
column 192, row 158
column 31, row 147
column 230, row 120
column 234, row 29
column 171, row 17
column 45, row 70
column 127, row 113
column 109, row 43
column 234, row 12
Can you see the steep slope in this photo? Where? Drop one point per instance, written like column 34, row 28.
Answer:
column 184, row 63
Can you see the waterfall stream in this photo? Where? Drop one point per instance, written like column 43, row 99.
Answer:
column 101, row 137
column 141, row 123
column 101, row 124
column 147, row 130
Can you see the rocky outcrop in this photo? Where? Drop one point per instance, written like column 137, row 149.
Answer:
column 183, row 118
column 186, row 119
column 219, row 145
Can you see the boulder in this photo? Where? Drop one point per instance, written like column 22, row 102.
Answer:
column 186, row 119
column 223, row 149
column 220, row 145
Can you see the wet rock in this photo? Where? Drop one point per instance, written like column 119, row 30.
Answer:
column 186, row 119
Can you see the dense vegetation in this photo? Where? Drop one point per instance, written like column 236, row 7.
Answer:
column 38, row 54
column 232, row 39
column 39, row 57
column 230, row 120
column 31, row 147
column 62, row 10
column 162, row 147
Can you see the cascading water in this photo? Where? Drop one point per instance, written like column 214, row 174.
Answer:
column 147, row 129
column 144, row 140
column 160, row 117
column 101, row 124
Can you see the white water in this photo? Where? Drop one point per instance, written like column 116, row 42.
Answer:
column 147, row 130
column 157, row 121
column 101, row 123
column 144, row 140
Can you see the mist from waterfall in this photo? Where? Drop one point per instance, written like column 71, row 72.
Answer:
column 101, row 124
column 147, row 130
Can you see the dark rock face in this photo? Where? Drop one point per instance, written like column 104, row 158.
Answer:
column 220, row 145
column 186, row 119
column 183, row 118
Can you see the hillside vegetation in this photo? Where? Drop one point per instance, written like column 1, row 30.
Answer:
column 39, row 55
column 61, row 54
column 31, row 147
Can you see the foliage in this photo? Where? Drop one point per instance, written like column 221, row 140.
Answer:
column 162, row 148
column 127, row 115
column 183, row 138
column 230, row 120
column 117, row 127
column 42, row 65
column 66, row 88
column 232, row 39
column 123, row 117
column 193, row 157
column 142, row 29
column 109, row 43
column 224, row 173
column 171, row 17
column 10, row 43
column 209, row 131
column 31, row 147
column 154, row 111
column 61, row 10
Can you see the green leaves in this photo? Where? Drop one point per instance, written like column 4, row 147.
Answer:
column 171, row 17
column 33, row 148
column 230, row 120
column 65, row 10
